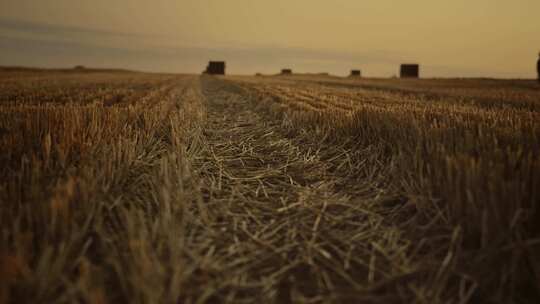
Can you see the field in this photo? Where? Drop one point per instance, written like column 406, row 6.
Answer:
column 124, row 187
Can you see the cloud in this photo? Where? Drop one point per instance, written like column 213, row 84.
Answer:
column 55, row 49
column 46, row 45
column 61, row 34
column 58, row 30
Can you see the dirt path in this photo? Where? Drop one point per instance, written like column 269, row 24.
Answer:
column 297, row 221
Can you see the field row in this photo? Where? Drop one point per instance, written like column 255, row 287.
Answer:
column 81, row 182
column 107, row 89
column 520, row 94
column 131, row 187
column 460, row 163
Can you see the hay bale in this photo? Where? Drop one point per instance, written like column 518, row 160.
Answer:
column 215, row 68
column 409, row 71
column 286, row 72
column 356, row 73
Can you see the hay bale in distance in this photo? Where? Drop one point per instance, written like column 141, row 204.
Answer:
column 355, row 73
column 286, row 72
column 215, row 68
column 409, row 71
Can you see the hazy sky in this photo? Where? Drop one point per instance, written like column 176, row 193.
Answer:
column 494, row 38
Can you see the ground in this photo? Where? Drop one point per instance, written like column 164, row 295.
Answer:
column 133, row 187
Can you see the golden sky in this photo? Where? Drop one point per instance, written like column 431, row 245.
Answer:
column 492, row 38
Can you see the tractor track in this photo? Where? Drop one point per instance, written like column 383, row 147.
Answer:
column 300, row 220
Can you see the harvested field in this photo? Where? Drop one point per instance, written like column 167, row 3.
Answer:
column 148, row 188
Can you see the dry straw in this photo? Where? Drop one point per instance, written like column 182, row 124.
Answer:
column 142, row 188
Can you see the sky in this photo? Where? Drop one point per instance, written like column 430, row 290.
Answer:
column 458, row 38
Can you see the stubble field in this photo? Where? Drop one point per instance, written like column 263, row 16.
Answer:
column 120, row 187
